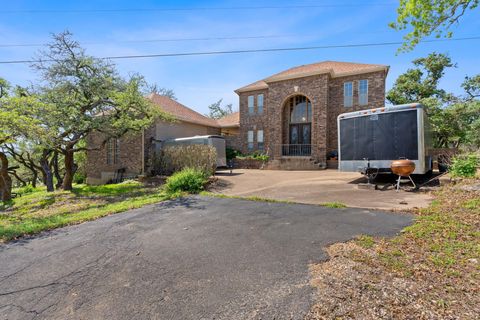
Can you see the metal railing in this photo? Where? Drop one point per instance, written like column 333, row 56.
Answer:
column 296, row 150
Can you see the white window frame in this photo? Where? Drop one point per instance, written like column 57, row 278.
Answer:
column 348, row 99
column 260, row 106
column 363, row 97
column 260, row 141
column 251, row 104
column 250, row 140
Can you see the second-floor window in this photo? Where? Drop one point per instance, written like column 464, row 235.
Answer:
column 260, row 103
column 250, row 140
column 348, row 94
column 113, row 151
column 363, row 92
column 251, row 106
column 260, row 140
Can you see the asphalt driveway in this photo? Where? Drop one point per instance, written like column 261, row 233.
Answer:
column 192, row 258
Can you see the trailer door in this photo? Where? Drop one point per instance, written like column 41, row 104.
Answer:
column 380, row 136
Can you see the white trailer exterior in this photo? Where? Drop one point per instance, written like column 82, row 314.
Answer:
column 382, row 135
column 218, row 142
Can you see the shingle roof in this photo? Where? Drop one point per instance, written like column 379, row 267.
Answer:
column 334, row 68
column 181, row 112
column 231, row 120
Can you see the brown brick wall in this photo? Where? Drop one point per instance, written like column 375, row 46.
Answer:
column 130, row 150
column 315, row 88
column 376, row 99
column 130, row 153
column 252, row 122
column 274, row 121
column 326, row 96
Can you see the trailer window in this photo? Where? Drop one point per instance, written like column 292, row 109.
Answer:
column 348, row 94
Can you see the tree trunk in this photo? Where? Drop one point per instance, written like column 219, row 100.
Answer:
column 5, row 180
column 34, row 178
column 14, row 173
column 56, row 171
column 69, row 169
column 47, row 174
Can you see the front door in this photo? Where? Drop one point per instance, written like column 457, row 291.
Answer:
column 300, row 139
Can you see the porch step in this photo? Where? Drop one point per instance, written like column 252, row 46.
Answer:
column 295, row 163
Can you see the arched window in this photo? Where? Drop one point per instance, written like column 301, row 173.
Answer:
column 300, row 109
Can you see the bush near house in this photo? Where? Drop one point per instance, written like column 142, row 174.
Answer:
column 256, row 156
column 464, row 166
column 187, row 180
column 176, row 158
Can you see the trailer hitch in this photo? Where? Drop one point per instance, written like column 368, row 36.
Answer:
column 369, row 172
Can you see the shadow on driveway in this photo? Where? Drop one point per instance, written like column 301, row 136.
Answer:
column 190, row 258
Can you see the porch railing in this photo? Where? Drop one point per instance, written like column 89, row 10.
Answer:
column 296, row 150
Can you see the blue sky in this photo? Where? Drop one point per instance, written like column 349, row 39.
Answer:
column 201, row 80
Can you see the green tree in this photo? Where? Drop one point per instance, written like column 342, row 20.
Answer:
column 421, row 82
column 427, row 17
column 218, row 111
column 87, row 95
column 455, row 120
column 17, row 120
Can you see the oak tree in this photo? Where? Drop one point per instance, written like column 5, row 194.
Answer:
column 427, row 17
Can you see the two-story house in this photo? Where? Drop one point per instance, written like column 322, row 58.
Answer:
column 292, row 115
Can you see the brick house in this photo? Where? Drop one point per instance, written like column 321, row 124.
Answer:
column 133, row 152
column 292, row 115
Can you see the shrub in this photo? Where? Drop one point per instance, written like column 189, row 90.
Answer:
column 187, row 180
column 232, row 153
column 175, row 158
column 256, row 156
column 25, row 190
column 261, row 157
column 464, row 166
column 79, row 178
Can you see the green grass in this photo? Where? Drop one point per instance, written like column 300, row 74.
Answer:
column 337, row 205
column 365, row 241
column 39, row 210
column 249, row 198
column 444, row 236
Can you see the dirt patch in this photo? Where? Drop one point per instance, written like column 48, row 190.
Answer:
column 430, row 271
column 349, row 288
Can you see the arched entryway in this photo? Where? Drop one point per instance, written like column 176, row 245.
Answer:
column 298, row 110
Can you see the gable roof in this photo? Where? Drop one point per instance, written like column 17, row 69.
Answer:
column 181, row 112
column 230, row 121
column 334, row 68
